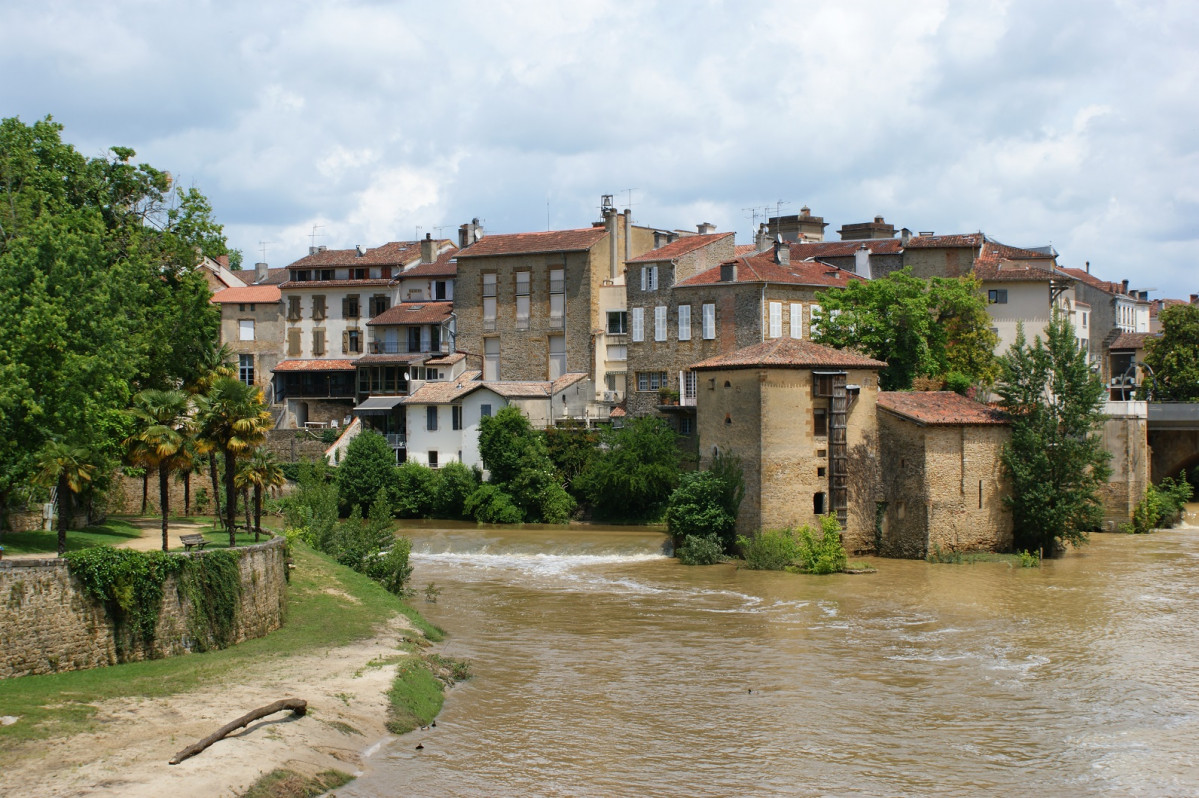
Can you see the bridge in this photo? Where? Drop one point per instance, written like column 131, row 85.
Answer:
column 1173, row 438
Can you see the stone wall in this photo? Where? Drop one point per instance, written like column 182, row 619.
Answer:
column 49, row 625
column 929, row 262
column 292, row 446
column 1126, row 438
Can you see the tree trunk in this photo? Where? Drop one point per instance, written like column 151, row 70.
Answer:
column 187, row 493
column 164, row 494
column 231, row 495
column 298, row 707
column 257, row 510
column 216, row 488
column 64, row 512
column 245, row 500
column 145, row 488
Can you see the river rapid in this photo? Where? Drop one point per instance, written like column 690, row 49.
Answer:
column 604, row 668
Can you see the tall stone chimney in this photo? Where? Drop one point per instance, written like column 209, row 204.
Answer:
column 706, row 228
column 861, row 262
column 260, row 272
column 782, row 252
column 428, row 249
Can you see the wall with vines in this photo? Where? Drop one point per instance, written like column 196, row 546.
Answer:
column 102, row 606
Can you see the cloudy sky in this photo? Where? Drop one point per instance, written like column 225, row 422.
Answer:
column 1071, row 123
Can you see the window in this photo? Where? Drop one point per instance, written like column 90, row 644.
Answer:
column 293, row 308
column 413, row 339
column 491, row 358
column 684, row 322
column 318, row 343
column 359, row 273
column 245, row 369
column 324, row 274
column 651, row 380
column 456, row 416
column 351, row 341
column 522, row 283
column 820, row 422
column 1084, row 318
column 638, row 324
column 349, row 307
column 439, row 289
column 814, row 324
column 649, row 278
column 245, row 329
column 822, row 385
column 293, row 342
column 489, row 313
column 435, row 338
column 776, row 319
column 618, row 322
column 557, row 356
column 796, row 320
column 318, row 306
column 302, row 275
column 997, row 296
column 818, row 503
column 709, row 310
column 618, row 352
column 431, row 418
column 484, row 411
column 557, row 310
column 379, row 303
column 557, row 281
column 660, row 323
column 522, row 312
column 690, row 387
column 686, row 425
column 433, row 459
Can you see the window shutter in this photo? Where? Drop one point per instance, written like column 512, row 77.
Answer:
column 660, row 323
column 638, row 324
column 644, row 273
column 293, row 342
column 345, row 342
column 796, row 320
column 684, row 322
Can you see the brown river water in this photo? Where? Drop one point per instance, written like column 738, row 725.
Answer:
column 603, row 668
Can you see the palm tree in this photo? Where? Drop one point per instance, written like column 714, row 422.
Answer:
column 137, row 456
column 187, row 462
column 69, row 469
column 261, row 472
column 233, row 419
column 219, row 364
column 162, row 430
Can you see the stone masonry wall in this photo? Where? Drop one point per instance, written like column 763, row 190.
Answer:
column 49, row 625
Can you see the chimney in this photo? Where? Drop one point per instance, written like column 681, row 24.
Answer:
column 905, row 235
column 361, row 249
column 861, row 262
column 223, row 260
column 259, row 272
column 805, row 212
column 1123, row 286
column 782, row 252
column 469, row 233
column 706, row 228
column 762, row 238
column 1088, row 267
column 428, row 249
column 1195, row 299
column 611, row 225
column 728, row 272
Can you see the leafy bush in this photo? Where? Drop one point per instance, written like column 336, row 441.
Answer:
column 826, row 555
column 802, row 551
column 452, row 485
column 700, row 507
column 1028, row 560
column 1161, row 508
column 700, row 550
column 770, row 550
column 635, row 472
column 369, row 545
column 312, row 508
column 958, row 382
column 368, row 465
column 413, row 490
column 490, row 505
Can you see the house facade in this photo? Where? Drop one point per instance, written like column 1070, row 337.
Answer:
column 252, row 327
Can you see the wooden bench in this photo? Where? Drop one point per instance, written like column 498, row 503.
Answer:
column 193, row 540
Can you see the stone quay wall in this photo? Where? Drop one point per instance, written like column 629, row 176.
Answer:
column 48, row 624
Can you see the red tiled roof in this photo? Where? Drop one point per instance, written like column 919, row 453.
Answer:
column 842, row 249
column 939, row 407
column 378, row 282
column 275, row 276
column 1103, row 285
column 680, row 247
column 250, row 293
column 532, row 243
column 392, row 359
column 1158, row 305
column 440, row 393
column 761, row 268
column 414, row 313
column 448, row 360
column 944, row 242
column 1127, row 340
column 1005, row 271
column 744, row 249
column 446, row 265
column 618, row 412
column 394, row 253
column 315, row 365
column 790, row 353
column 566, row 380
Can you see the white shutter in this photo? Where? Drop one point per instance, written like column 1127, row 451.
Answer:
column 660, row 323
column 644, row 278
column 796, row 320
column 776, row 319
column 684, row 322
column 638, row 324
column 709, row 321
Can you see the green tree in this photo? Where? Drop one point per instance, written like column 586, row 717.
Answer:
column 234, row 420
column 368, row 465
column 571, row 449
column 162, row 429
column 921, row 328
column 414, row 485
column 516, row 456
column 69, row 469
column 1174, row 357
column 453, row 484
column 1055, row 458
column 705, row 504
column 260, row 472
column 635, row 472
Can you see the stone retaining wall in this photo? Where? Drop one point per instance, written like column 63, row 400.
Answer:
column 48, row 624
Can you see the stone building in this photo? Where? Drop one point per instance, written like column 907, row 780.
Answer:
column 252, row 328
column 743, row 301
column 942, row 478
column 801, row 418
column 1115, row 310
column 870, row 258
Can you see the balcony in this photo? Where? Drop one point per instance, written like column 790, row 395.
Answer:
column 403, row 348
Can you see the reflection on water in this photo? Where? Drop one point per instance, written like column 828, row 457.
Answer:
column 604, row 668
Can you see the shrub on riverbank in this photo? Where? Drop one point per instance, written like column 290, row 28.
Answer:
column 705, row 504
column 1161, row 508
column 797, row 551
column 700, row 550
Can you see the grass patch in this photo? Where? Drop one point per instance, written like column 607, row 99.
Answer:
column 416, row 697
column 317, row 619
column 290, row 784
column 954, row 557
column 110, row 533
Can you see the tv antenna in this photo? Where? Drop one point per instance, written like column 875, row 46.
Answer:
column 629, row 204
column 313, row 235
column 262, row 248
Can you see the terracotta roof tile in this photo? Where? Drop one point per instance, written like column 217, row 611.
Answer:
column 741, row 250
column 1006, row 271
column 446, row 265
column 314, row 365
column 842, row 249
column 680, row 247
column 943, row 242
column 789, row 353
column 1127, row 340
column 414, row 313
column 316, row 285
column 939, row 407
column 530, row 243
column 394, row 253
column 761, row 268
column 395, row 358
column 566, row 380
column 250, row 293
column 1106, row 286
column 448, row 360
column 275, row 276
column 441, row 393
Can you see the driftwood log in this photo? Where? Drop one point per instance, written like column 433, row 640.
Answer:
column 298, row 707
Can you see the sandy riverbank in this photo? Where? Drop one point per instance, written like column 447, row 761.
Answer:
column 127, row 756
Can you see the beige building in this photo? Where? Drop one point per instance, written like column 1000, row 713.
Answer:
column 252, row 328
column 943, row 482
column 801, row 418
